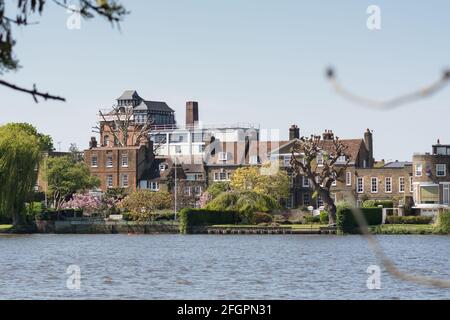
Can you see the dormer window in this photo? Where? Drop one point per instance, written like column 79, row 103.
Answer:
column 223, row 156
column 162, row 166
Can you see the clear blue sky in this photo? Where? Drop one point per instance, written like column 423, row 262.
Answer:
column 250, row 61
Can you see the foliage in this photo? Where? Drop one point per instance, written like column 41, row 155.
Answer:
column 86, row 202
column 246, row 202
column 323, row 217
column 66, row 177
column 312, row 219
column 443, row 223
column 142, row 204
column 408, row 219
column 45, row 141
column 261, row 217
column 376, row 203
column 19, row 157
column 215, row 189
column 402, row 229
column 275, row 184
column 202, row 217
column 346, row 222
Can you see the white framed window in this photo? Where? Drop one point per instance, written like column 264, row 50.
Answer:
column 418, row 170
column 334, row 183
column 374, row 185
column 401, row 184
column 306, row 199
column 446, row 194
column 222, row 176
column 198, row 191
column 94, row 161
column 187, row 191
column 109, row 161
column 124, row 180
column 253, row 159
column 177, row 149
column 109, row 181
column 287, row 161
column 341, row 159
column 223, row 156
column 360, row 184
column 440, row 170
column 125, row 161
column 319, row 201
column 319, row 159
column 411, row 185
column 348, row 178
column 305, row 182
column 388, row 184
column 106, row 141
column 364, row 163
column 153, row 185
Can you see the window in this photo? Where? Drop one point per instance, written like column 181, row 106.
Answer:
column 418, row 170
column 222, row 176
column 305, row 182
column 178, row 137
column 334, row 183
column 125, row 160
column 374, row 185
column 306, row 199
column 341, row 159
column 197, row 137
column 365, row 164
column 162, row 166
column 124, row 180
column 109, row 160
column 106, row 141
column 440, row 170
column 158, row 138
column 177, row 149
column 198, row 191
column 253, row 159
column 109, row 181
column 287, row 161
column 429, row 194
column 401, row 184
column 187, row 191
column 94, row 161
column 411, row 186
column 446, row 194
column 348, row 178
column 319, row 159
column 360, row 184
column 153, row 185
column 319, row 201
column 388, row 184
column 223, row 156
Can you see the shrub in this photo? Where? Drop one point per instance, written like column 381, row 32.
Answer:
column 202, row 217
column 408, row 220
column 346, row 222
column 261, row 217
column 324, row 217
column 376, row 203
column 443, row 223
column 142, row 204
column 245, row 202
column 312, row 219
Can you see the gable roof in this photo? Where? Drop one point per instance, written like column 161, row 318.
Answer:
column 157, row 106
column 353, row 147
column 129, row 95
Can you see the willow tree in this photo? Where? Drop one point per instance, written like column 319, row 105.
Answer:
column 19, row 156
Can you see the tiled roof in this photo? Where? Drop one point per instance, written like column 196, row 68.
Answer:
column 129, row 95
column 397, row 164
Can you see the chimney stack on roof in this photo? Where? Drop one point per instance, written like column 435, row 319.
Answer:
column 328, row 135
column 93, row 143
column 294, row 132
column 191, row 113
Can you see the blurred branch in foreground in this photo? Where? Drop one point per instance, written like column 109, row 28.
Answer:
column 391, row 103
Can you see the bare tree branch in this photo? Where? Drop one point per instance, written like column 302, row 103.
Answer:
column 33, row 92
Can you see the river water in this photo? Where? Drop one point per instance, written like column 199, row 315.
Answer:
column 215, row 267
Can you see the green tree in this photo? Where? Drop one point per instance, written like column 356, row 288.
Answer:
column 65, row 176
column 217, row 188
column 19, row 156
column 45, row 141
column 26, row 10
column 142, row 204
column 261, row 180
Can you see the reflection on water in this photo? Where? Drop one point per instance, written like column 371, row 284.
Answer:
column 215, row 267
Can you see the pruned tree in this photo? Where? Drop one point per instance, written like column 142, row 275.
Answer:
column 305, row 153
column 122, row 124
column 111, row 10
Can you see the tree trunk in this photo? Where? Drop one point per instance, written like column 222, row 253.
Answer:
column 329, row 206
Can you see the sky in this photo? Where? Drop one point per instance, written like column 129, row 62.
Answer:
column 253, row 61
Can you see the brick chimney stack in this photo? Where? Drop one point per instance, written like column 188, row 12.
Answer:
column 191, row 113
column 294, row 132
column 328, row 135
column 368, row 141
column 93, row 143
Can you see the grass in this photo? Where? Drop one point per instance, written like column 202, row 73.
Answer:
column 403, row 229
column 5, row 227
column 293, row 226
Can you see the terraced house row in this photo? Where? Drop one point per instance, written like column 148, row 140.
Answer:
column 193, row 155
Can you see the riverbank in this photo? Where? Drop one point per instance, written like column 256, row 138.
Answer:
column 399, row 229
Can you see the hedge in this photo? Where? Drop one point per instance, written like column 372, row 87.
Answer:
column 262, row 217
column 376, row 203
column 346, row 222
column 409, row 220
column 62, row 214
column 443, row 223
column 202, row 217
